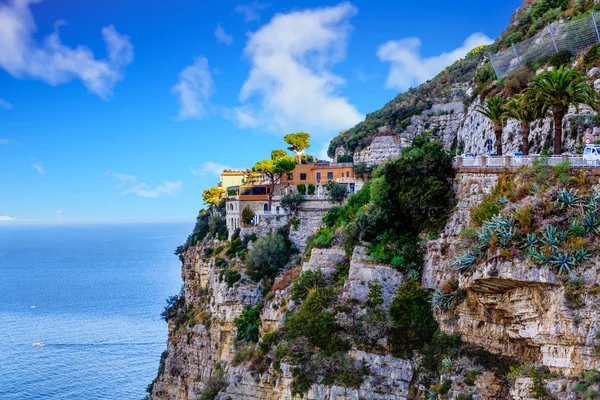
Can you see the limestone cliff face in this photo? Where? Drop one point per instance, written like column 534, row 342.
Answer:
column 515, row 308
column 196, row 352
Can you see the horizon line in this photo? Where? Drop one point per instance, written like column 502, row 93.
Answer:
column 82, row 221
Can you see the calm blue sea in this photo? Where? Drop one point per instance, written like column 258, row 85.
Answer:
column 98, row 291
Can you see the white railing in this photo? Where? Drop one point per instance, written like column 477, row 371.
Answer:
column 496, row 162
column 471, row 162
column 575, row 161
column 281, row 211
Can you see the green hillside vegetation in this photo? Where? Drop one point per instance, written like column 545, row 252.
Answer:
column 475, row 69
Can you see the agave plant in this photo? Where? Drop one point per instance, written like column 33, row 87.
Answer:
column 535, row 189
column 505, row 236
column 531, row 252
column 576, row 229
column 581, row 255
column 564, row 261
column 539, row 258
column 412, row 274
column 446, row 362
column 502, row 200
column 550, row 236
column 562, row 234
column 590, row 223
column 442, row 301
column 591, row 205
column 531, row 241
column 497, row 223
column 431, row 394
column 567, row 198
column 464, row 262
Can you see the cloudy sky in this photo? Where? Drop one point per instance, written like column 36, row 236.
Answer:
column 123, row 109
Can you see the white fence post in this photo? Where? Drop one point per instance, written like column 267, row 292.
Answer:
column 595, row 26
column 552, row 36
column 517, row 55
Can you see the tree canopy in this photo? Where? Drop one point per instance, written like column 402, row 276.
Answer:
column 213, row 196
column 278, row 154
column 555, row 90
column 297, row 141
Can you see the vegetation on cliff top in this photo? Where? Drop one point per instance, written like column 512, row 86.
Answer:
column 546, row 215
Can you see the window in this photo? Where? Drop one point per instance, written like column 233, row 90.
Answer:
column 290, row 177
column 347, row 174
column 318, row 177
column 302, row 177
column 330, row 176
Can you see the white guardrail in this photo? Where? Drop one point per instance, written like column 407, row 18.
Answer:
column 519, row 161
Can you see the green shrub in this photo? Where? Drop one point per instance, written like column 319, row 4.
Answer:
column 292, row 202
column 268, row 256
column 375, row 295
column 485, row 210
column 591, row 56
column 346, row 158
column 231, row 276
column 223, row 233
column 334, row 216
column 561, row 58
column 248, row 323
column 301, row 189
column 414, row 323
column 336, row 192
column 311, row 189
column 471, row 376
column 267, row 341
column 323, row 238
column 316, row 323
column 307, row 281
column 214, row 385
column 247, row 215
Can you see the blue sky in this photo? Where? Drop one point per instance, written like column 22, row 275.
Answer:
column 119, row 110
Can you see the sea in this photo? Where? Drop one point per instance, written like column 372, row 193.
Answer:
column 80, row 307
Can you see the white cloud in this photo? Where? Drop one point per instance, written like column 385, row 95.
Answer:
column 291, row 85
column 59, row 213
column 222, row 36
column 250, row 11
column 211, row 168
column 53, row 62
column 6, row 218
column 5, row 104
column 132, row 185
column 194, row 90
column 38, row 167
column 409, row 68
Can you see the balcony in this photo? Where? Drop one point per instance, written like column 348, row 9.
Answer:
column 346, row 180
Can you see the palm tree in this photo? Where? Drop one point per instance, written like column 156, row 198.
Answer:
column 517, row 107
column 554, row 91
column 493, row 108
